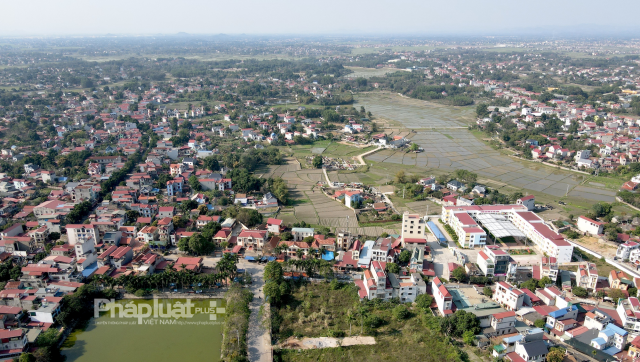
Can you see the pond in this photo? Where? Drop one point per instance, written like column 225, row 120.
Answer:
column 150, row 330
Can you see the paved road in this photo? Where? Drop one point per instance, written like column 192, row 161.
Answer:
column 441, row 256
column 258, row 337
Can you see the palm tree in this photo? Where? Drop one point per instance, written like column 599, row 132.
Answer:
column 299, row 253
column 350, row 319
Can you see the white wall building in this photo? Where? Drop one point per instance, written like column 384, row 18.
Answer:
column 590, row 226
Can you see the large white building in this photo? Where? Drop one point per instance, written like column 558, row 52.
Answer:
column 590, row 226
column 508, row 220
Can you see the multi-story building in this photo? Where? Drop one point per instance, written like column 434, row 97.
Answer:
column 567, row 313
column 503, row 323
column 469, row 233
column 597, row 319
column 629, row 313
column 380, row 250
column 274, row 226
column 611, row 336
column 413, row 230
column 509, row 297
column 166, row 211
column 174, row 186
column 511, row 220
column 39, row 236
column 634, row 348
column 252, row 239
column 85, row 192
column 79, row 232
column 443, row 298
column 12, row 342
column 548, row 268
column 301, row 233
column 619, row 280
column 495, row 262
column 148, row 234
column 344, row 240
column 203, row 220
column 587, row 276
column 624, row 250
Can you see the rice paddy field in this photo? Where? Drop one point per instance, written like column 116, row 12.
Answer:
column 448, row 146
column 359, row 72
column 442, row 131
column 312, row 205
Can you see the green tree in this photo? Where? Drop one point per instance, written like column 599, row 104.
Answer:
column 194, row 183
column 317, row 161
column 601, row 209
column 579, row 292
column 400, row 177
column 27, row 357
column 531, row 284
column 199, row 245
column 460, row 274
column 400, row 312
column 393, row 268
column 423, row 301
column 183, row 245
column 272, row 292
column 616, row 294
column 404, row 257
column 273, row 272
column 544, row 282
column 539, row 323
column 487, row 291
column 556, row 354
column 482, row 110
column 469, row 338
column 211, row 163
column 413, row 147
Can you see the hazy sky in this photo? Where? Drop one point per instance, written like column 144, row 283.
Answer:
column 78, row 17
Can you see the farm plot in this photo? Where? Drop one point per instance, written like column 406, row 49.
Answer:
column 456, row 148
column 414, row 113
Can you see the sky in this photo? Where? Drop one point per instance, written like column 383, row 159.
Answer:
column 375, row 17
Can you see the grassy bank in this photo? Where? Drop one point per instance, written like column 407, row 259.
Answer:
column 324, row 309
column 236, row 323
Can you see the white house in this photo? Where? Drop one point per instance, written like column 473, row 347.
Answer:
column 590, row 226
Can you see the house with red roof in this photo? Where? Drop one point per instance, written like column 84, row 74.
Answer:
column 274, row 226
column 502, row 323
column 252, row 239
column 13, row 342
column 203, row 220
column 443, row 298
column 528, row 201
column 189, row 263
column 590, row 226
column 166, row 211
column 508, row 296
